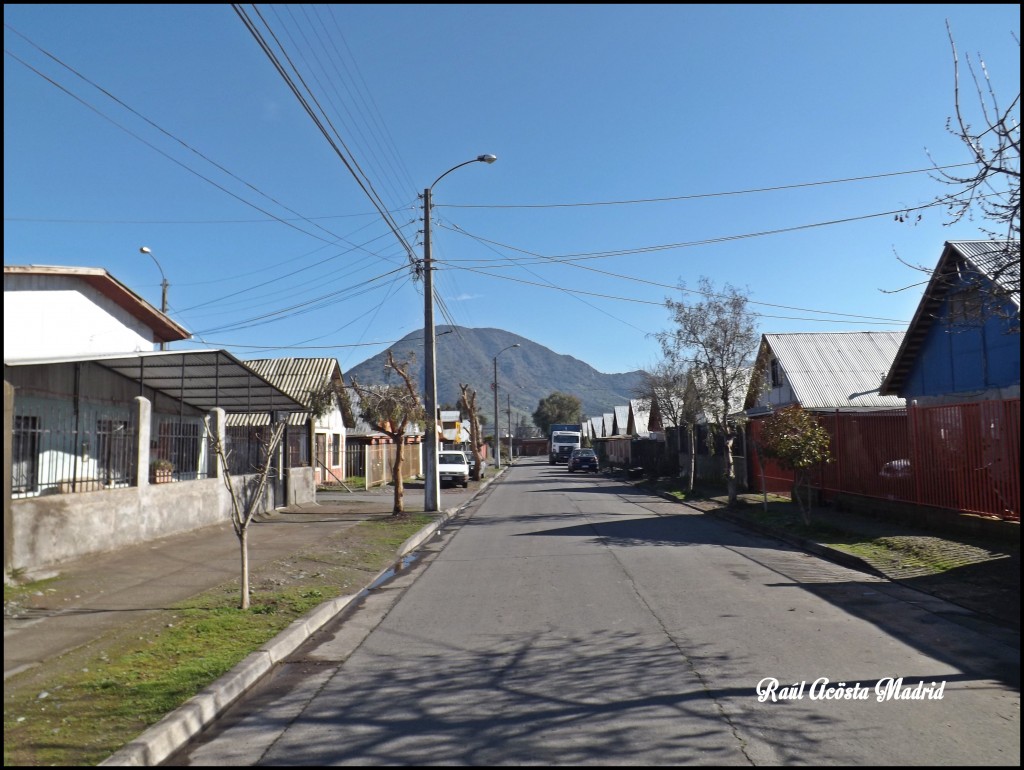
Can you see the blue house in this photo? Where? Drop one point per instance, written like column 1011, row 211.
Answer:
column 963, row 344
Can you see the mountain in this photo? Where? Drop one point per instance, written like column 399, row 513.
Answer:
column 526, row 374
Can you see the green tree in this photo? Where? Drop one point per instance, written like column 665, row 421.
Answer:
column 557, row 408
column 391, row 409
column 799, row 442
column 717, row 337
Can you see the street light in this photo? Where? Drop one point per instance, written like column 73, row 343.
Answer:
column 432, row 484
column 497, row 432
column 163, row 286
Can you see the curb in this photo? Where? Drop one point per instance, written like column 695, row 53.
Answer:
column 197, row 713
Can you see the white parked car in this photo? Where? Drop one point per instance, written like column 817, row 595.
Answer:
column 453, row 468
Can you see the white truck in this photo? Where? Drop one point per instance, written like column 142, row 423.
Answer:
column 563, row 439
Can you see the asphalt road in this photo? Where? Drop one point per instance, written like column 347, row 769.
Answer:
column 571, row 620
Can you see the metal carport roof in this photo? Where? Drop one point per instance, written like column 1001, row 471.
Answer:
column 204, row 379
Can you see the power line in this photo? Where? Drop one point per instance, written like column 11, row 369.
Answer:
column 698, row 196
column 661, row 304
column 349, row 163
column 166, row 133
column 569, row 263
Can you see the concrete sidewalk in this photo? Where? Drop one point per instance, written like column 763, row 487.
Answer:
column 95, row 594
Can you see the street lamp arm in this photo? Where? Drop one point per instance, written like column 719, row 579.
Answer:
column 147, row 250
column 477, row 159
column 163, row 285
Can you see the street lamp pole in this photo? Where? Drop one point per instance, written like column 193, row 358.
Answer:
column 163, row 286
column 497, row 431
column 432, row 482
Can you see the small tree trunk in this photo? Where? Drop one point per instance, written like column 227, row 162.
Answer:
column 730, row 470
column 396, row 474
column 805, row 512
column 693, row 457
column 243, row 542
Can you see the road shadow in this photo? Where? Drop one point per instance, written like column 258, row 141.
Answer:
column 933, row 627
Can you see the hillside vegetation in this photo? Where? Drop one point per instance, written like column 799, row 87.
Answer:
column 525, row 374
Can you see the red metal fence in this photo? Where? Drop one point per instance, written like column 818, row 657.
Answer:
column 962, row 457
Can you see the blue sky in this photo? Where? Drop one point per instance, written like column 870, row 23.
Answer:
column 629, row 140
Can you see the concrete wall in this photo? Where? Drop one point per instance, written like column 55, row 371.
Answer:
column 301, row 486
column 47, row 531
column 57, row 528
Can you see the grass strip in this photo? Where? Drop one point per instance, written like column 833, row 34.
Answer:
column 96, row 699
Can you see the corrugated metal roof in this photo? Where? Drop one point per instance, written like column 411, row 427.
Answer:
column 204, row 379
column 739, row 384
column 298, row 377
column 621, row 419
column 641, row 416
column 837, row 370
column 998, row 260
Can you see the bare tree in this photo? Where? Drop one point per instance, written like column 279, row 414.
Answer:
column 717, row 338
column 991, row 186
column 242, row 511
column 391, row 409
column 467, row 402
column 663, row 392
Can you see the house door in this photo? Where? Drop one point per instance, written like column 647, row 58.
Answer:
column 321, row 457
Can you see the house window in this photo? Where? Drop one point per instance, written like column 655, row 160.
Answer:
column 776, row 373
column 336, row 450
column 25, row 454
column 966, row 307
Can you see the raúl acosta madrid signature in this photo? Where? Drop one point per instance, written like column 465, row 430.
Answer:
column 887, row 688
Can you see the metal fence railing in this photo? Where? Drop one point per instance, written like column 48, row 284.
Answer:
column 58, row 449
column 962, row 457
column 355, row 460
column 182, row 444
column 244, row 447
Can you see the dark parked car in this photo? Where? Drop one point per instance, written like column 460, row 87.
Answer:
column 583, row 460
column 472, row 464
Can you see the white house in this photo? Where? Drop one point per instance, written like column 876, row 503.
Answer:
column 73, row 311
column 108, row 438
